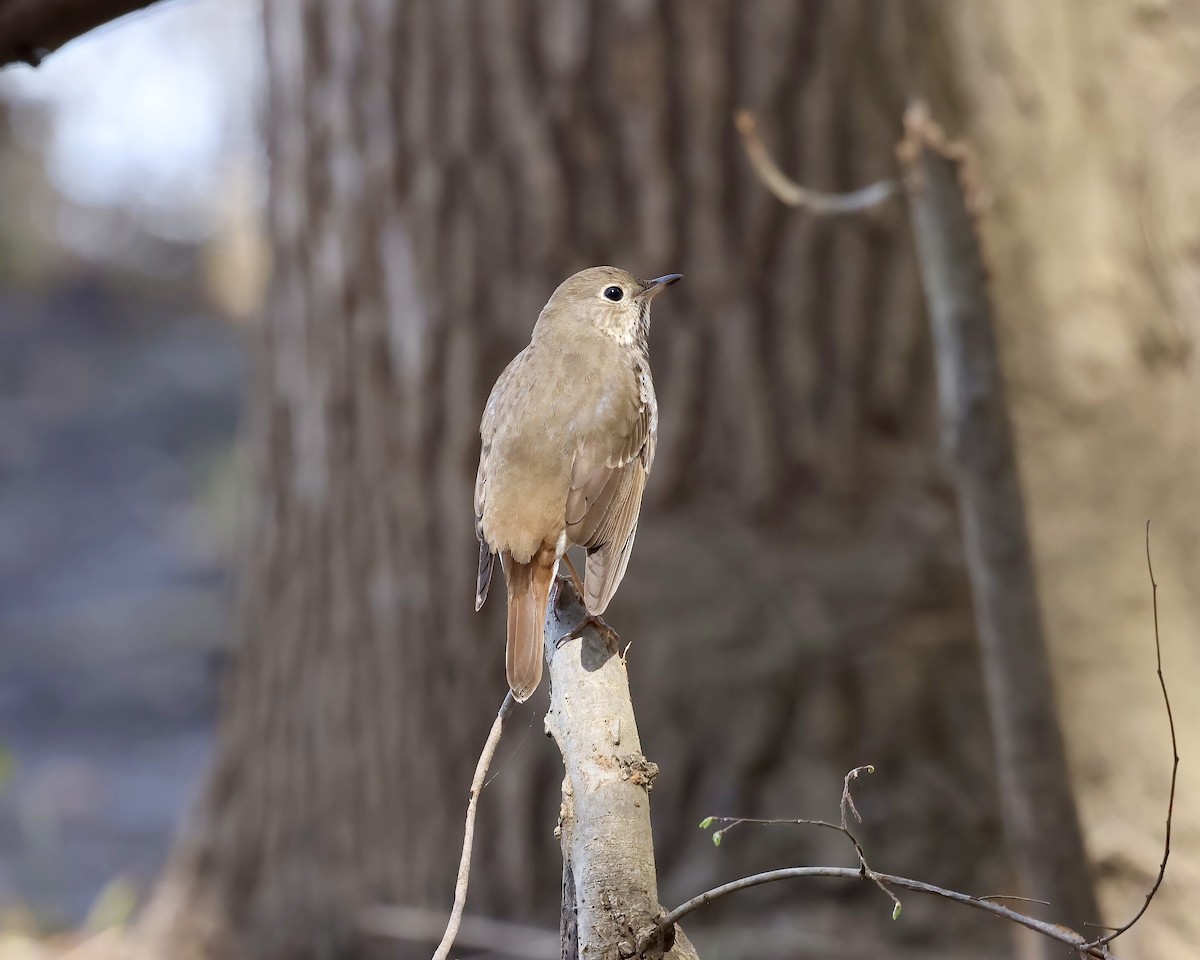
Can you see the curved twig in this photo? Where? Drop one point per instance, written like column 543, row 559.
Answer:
column 464, row 863
column 1162, row 867
column 788, row 191
column 1063, row 935
column 846, row 805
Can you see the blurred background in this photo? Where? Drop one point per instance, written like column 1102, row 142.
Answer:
column 131, row 260
column 238, row 413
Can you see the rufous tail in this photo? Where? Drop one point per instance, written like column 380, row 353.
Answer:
column 528, row 592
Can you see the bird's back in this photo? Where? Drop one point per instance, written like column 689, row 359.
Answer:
column 563, row 396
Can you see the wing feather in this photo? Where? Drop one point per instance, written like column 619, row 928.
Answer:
column 487, row 431
column 606, row 563
column 605, row 499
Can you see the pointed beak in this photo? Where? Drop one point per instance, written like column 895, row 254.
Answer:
column 658, row 284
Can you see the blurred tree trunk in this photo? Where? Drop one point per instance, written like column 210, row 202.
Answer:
column 1085, row 124
column 1037, row 797
column 437, row 167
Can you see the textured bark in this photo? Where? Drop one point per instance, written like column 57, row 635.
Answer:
column 610, row 882
column 1037, row 796
column 30, row 30
column 437, row 167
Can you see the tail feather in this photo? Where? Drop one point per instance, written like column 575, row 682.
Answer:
column 528, row 593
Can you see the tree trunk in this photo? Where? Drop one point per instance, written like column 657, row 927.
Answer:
column 437, row 167
column 1037, row 798
column 1084, row 120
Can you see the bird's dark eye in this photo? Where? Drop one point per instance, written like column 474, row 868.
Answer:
column 614, row 294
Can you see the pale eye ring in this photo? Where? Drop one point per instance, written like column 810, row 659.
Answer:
column 614, row 293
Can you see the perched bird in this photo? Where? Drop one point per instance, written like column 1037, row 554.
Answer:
column 568, row 441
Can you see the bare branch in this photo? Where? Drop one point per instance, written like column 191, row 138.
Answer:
column 847, row 801
column 1162, row 867
column 610, row 884
column 1063, row 935
column 30, row 30
column 846, row 805
column 1010, row 896
column 1037, row 803
column 464, row 863
column 788, row 191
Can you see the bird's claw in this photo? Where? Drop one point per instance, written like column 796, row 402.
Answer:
column 610, row 636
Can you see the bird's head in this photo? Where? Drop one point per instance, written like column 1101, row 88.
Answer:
column 615, row 302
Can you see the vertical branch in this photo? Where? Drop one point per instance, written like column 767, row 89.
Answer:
column 464, row 862
column 610, row 887
column 1038, row 805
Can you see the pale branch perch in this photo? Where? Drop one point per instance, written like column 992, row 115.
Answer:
column 786, row 190
column 1038, row 806
column 610, row 883
column 464, row 863
column 30, row 30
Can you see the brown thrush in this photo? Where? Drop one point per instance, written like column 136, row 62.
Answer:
column 568, row 440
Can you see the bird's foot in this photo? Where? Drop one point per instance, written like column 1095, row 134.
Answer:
column 611, row 638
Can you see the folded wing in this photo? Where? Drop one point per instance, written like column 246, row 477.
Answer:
column 605, row 497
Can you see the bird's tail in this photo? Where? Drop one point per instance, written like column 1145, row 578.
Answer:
column 528, row 592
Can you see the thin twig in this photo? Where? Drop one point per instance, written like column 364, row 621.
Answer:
column 1162, row 867
column 847, row 801
column 1011, row 896
column 464, row 863
column 788, row 191
column 1053, row 931
column 846, row 805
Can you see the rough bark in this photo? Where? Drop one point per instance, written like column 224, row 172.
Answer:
column 30, row 30
column 437, row 167
column 610, row 880
column 1037, row 796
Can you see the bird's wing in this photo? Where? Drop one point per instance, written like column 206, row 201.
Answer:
column 605, row 495
column 487, row 558
column 487, row 433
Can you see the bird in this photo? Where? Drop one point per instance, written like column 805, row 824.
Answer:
column 567, row 443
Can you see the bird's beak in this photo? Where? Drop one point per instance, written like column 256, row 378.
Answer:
column 658, row 284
